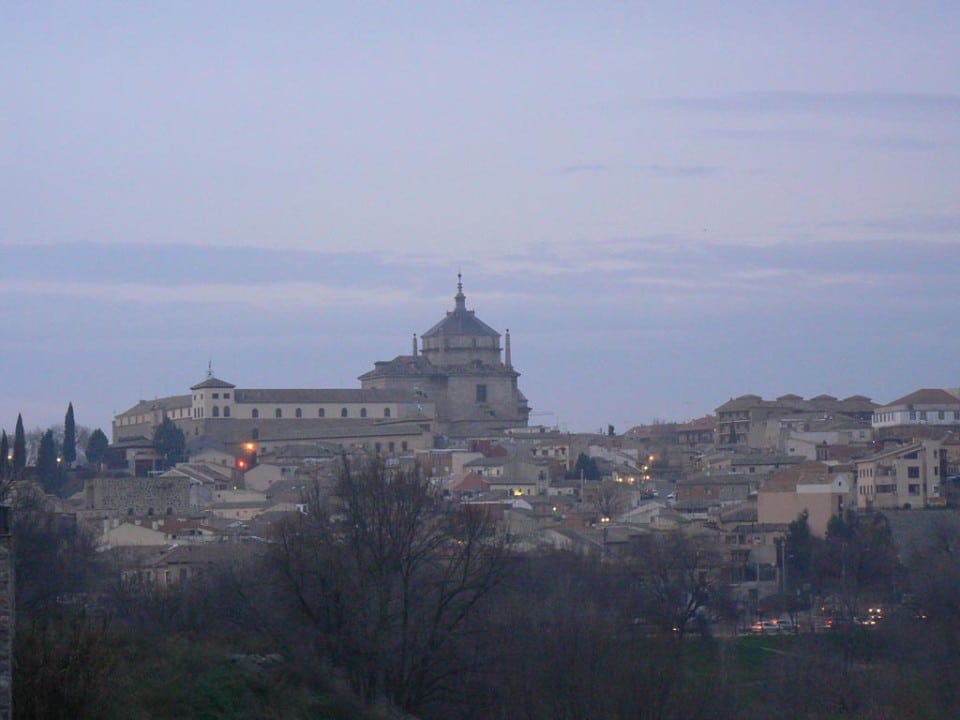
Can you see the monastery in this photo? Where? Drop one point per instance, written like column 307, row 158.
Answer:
column 460, row 383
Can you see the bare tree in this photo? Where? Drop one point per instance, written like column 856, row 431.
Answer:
column 389, row 581
column 674, row 576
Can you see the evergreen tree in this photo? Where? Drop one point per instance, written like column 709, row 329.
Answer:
column 169, row 442
column 19, row 448
column 69, row 438
column 48, row 469
column 586, row 467
column 96, row 446
column 4, row 451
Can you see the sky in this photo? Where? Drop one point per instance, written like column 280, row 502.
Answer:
column 667, row 204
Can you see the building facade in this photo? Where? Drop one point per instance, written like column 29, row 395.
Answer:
column 929, row 406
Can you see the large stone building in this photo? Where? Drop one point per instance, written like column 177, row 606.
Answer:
column 459, row 369
column 457, row 386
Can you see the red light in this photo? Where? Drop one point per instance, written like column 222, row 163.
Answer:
column 241, row 464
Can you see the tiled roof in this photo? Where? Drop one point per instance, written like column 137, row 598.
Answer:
column 926, row 396
column 212, row 382
column 471, row 482
column 415, row 365
column 171, row 402
column 805, row 473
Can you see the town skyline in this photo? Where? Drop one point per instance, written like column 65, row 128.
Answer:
column 666, row 207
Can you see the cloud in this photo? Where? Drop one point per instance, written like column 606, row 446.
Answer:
column 906, row 224
column 585, row 168
column 818, row 103
column 278, row 296
column 656, row 169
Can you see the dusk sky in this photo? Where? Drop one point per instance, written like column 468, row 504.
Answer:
column 668, row 204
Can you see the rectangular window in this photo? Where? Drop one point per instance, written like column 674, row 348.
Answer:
column 481, row 393
column 226, row 396
column 913, row 489
column 913, row 471
column 216, row 396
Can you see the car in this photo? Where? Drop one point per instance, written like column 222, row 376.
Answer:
column 786, row 625
column 765, row 627
column 672, row 496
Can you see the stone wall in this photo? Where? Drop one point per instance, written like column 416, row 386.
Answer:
column 140, row 496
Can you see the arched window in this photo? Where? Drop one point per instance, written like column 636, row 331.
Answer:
column 216, row 411
column 150, row 512
column 343, row 412
column 255, row 434
column 321, row 413
column 169, row 511
column 386, row 412
column 363, row 412
column 254, row 413
column 278, row 413
column 226, row 411
column 299, row 412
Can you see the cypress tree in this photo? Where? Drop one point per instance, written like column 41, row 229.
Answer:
column 19, row 448
column 47, row 466
column 4, row 451
column 69, row 438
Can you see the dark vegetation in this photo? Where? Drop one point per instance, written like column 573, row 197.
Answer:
column 381, row 601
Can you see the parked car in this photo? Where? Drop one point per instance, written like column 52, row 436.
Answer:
column 786, row 625
column 765, row 627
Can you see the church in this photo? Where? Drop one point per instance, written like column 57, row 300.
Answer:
column 460, row 370
column 459, row 384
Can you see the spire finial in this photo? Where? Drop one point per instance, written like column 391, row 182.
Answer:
column 460, row 298
column 209, row 368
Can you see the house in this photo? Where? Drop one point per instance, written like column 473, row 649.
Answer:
column 469, row 484
column 928, row 406
column 265, row 475
column 181, row 564
column 820, row 490
column 715, row 490
column 750, row 421
column 907, row 477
